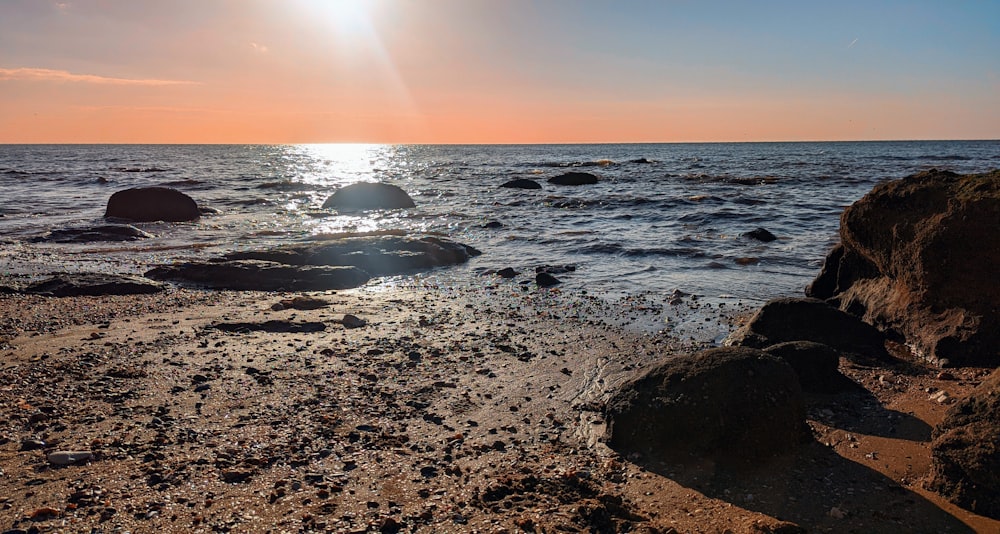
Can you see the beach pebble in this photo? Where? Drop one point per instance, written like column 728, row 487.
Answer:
column 68, row 457
column 352, row 321
column 32, row 445
column 546, row 280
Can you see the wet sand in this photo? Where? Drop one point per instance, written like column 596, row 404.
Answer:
column 470, row 410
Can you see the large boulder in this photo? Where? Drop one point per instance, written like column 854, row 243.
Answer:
column 261, row 276
column 732, row 404
column 817, row 365
column 966, row 451
column 146, row 204
column 369, row 196
column 92, row 284
column 574, row 178
column 378, row 255
column 919, row 258
column 805, row 319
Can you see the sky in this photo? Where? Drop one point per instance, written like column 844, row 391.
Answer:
column 496, row 71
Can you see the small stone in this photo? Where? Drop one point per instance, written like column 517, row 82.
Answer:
column 836, row 513
column 352, row 321
column 32, row 445
column 69, row 457
column 546, row 280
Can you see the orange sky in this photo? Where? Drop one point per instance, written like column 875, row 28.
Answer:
column 476, row 71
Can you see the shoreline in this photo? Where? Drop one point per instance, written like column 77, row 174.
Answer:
column 451, row 410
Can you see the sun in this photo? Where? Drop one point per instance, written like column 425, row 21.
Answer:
column 347, row 18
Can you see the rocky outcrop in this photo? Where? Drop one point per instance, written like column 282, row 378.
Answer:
column 104, row 232
column 966, row 451
column 731, row 404
column 369, row 196
column 522, row 183
column 378, row 255
column 146, row 204
column 804, row 319
column 919, row 258
column 261, row 276
column 574, row 178
column 93, row 284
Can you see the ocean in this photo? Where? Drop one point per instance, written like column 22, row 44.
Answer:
column 663, row 217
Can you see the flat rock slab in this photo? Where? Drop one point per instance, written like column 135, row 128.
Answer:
column 381, row 255
column 93, row 284
column 275, row 326
column 104, row 232
column 252, row 275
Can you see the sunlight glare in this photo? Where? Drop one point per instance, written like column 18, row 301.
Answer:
column 348, row 18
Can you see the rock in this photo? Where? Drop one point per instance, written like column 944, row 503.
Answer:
column 152, row 204
column 965, row 456
column 522, row 183
column 733, row 404
column 916, row 260
column 303, row 302
column 378, row 255
column 274, row 326
column 252, row 275
column 760, row 234
column 493, row 225
column 555, row 269
column 815, row 364
column 546, row 280
column 106, row 232
column 574, row 178
column 804, row 319
column 369, row 196
column 507, row 272
column 32, row 445
column 69, row 457
column 351, row 321
column 93, row 284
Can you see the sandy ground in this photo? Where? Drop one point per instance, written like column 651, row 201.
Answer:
column 449, row 411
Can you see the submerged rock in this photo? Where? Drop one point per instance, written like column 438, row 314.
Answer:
column 148, row 204
column 105, row 232
column 574, row 178
column 918, row 258
column 378, row 255
column 251, row 275
column 965, row 451
column 369, row 196
column 804, row 319
column 522, row 183
column 732, row 404
column 760, row 234
column 93, row 284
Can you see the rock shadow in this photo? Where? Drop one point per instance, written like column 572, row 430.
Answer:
column 857, row 410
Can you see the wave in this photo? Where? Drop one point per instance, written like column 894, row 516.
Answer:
column 288, row 185
column 137, row 169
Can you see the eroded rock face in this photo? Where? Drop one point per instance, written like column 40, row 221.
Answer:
column 380, row 255
column 369, row 196
column 261, row 276
column 966, row 451
column 732, row 404
column 146, row 204
column 919, row 257
column 804, row 319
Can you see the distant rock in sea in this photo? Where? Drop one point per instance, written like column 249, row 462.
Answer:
column 369, row 196
column 147, row 204
column 574, row 178
column 522, row 183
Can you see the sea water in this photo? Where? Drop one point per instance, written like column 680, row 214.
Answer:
column 663, row 217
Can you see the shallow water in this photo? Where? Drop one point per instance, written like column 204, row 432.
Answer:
column 663, row 217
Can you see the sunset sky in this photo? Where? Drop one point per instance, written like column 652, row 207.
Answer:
column 491, row 71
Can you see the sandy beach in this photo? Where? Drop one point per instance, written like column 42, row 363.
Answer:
column 447, row 411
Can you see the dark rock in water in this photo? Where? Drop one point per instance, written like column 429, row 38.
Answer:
column 208, row 210
column 574, row 178
column 522, row 183
column 147, row 204
column 284, row 327
column 379, row 255
column 760, row 234
column 493, row 225
column 546, row 280
column 369, row 196
column 262, row 276
column 804, row 319
column 816, row 365
column 965, row 456
column 555, row 269
column 732, row 404
column 93, row 284
column 507, row 272
column 917, row 259
column 106, row 232
column 640, row 160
